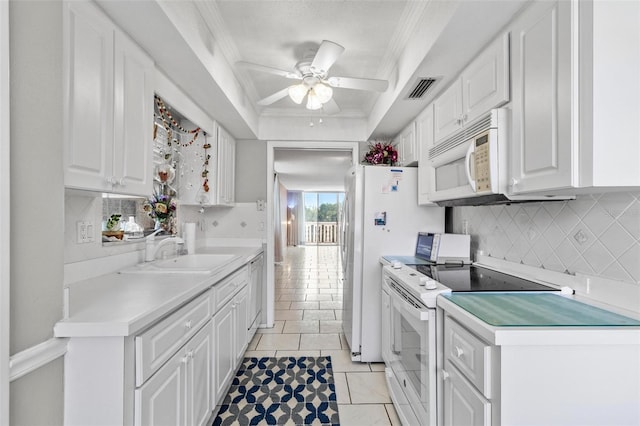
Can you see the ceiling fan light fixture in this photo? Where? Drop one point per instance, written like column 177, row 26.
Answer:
column 297, row 92
column 323, row 92
column 313, row 103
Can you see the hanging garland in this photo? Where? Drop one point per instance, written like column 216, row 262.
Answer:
column 166, row 117
column 168, row 122
column 205, row 171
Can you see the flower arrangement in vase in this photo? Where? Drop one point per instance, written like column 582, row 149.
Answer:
column 162, row 208
column 381, row 152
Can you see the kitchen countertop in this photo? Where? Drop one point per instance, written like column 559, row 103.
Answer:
column 528, row 335
column 119, row 304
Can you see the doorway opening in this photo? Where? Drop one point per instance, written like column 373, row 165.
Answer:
column 313, row 218
column 305, row 190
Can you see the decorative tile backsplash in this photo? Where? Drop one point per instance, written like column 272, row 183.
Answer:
column 596, row 234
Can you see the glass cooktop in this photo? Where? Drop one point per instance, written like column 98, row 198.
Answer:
column 476, row 278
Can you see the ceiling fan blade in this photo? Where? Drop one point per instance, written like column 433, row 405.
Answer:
column 331, row 107
column 359, row 83
column 274, row 98
column 327, row 54
column 263, row 68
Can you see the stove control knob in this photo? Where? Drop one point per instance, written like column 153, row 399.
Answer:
column 396, row 264
column 423, row 280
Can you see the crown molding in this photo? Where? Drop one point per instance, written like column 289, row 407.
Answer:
column 221, row 35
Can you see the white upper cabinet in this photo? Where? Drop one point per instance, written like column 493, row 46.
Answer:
column 133, row 93
column 424, row 138
column 576, row 79
column 406, row 145
column 482, row 85
column 108, row 93
column 225, row 173
column 541, row 143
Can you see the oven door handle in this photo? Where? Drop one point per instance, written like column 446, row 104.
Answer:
column 422, row 314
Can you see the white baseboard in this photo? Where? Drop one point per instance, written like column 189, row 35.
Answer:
column 36, row 356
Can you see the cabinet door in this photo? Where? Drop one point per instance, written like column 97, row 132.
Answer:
column 542, row 138
column 199, row 400
column 424, row 141
column 448, row 111
column 485, row 82
column 133, row 113
column 223, row 351
column 88, row 97
column 463, row 405
column 255, row 294
column 241, row 326
column 160, row 401
column 226, row 168
column 409, row 149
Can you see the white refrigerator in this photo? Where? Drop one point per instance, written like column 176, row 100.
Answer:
column 380, row 216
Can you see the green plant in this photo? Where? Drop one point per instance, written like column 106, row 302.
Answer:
column 113, row 222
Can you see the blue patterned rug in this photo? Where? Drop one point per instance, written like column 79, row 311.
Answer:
column 278, row 391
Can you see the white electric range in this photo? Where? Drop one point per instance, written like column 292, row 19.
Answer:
column 410, row 332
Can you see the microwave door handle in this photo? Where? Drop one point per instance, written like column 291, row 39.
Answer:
column 467, row 166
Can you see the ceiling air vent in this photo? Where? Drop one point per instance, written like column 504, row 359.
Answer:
column 421, row 87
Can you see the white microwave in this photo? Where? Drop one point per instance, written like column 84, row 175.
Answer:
column 471, row 164
column 471, row 167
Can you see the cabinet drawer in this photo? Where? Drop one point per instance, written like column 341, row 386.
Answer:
column 225, row 290
column 156, row 345
column 471, row 355
column 463, row 404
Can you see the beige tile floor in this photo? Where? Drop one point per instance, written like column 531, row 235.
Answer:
column 308, row 322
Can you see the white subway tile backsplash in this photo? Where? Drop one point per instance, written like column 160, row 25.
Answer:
column 594, row 234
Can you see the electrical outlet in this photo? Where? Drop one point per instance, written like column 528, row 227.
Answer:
column 84, row 232
column 260, row 204
column 90, row 231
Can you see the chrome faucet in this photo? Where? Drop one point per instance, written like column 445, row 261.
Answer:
column 151, row 249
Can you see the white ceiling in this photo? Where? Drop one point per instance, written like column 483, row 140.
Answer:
column 279, row 34
column 197, row 43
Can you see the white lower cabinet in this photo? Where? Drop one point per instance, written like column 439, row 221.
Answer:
column 172, row 372
column 467, row 376
column 537, row 375
column 230, row 336
column 179, row 393
column 223, row 351
column 463, row 404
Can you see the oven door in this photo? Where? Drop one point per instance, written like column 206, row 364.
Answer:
column 413, row 348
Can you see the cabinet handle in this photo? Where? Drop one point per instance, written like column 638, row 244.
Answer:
column 445, row 375
column 122, row 182
column 513, row 182
column 459, row 352
column 111, row 180
column 464, row 118
column 185, row 359
column 188, row 325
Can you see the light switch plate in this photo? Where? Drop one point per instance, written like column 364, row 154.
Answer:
column 81, row 231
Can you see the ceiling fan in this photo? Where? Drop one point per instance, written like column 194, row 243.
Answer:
column 316, row 85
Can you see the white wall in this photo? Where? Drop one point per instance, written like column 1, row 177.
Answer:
column 37, row 202
column 598, row 234
column 251, row 169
